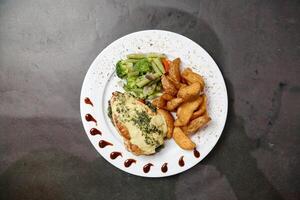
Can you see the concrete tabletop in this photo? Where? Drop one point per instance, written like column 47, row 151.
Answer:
column 47, row 46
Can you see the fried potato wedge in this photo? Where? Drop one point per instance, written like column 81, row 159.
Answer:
column 182, row 139
column 167, row 96
column 184, row 129
column 169, row 121
column 168, row 86
column 176, row 84
column 192, row 77
column 174, row 103
column 183, row 85
column 183, row 81
column 159, row 102
column 189, row 92
column 202, row 108
column 185, row 111
column 197, row 123
column 174, row 71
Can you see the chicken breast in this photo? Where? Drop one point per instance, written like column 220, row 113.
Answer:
column 142, row 129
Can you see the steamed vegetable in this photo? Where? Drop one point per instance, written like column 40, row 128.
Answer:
column 142, row 74
column 123, row 68
column 142, row 66
column 159, row 65
column 166, row 64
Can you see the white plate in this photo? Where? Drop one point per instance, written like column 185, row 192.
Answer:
column 101, row 80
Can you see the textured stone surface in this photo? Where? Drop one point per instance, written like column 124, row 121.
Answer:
column 46, row 48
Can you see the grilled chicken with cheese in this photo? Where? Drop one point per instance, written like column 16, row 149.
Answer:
column 142, row 129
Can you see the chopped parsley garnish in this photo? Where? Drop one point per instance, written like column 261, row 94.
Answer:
column 142, row 120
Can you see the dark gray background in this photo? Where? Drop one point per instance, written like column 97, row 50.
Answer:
column 46, row 48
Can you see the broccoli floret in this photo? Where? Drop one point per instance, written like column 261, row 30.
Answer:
column 143, row 66
column 131, row 82
column 123, row 68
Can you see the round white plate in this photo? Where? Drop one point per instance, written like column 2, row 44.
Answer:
column 101, row 80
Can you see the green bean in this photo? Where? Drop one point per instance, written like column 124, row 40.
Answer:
column 137, row 90
column 157, row 76
column 159, row 65
column 155, row 55
column 136, row 56
column 131, row 60
column 149, row 89
column 144, row 81
column 153, row 96
column 155, row 68
column 149, row 59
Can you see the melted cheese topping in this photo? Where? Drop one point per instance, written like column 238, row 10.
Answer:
column 146, row 128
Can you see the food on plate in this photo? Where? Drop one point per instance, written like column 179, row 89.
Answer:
column 142, row 74
column 168, row 86
column 196, row 124
column 201, row 110
column 166, row 64
column 167, row 97
column 174, row 72
column 184, row 129
column 184, row 93
column 163, row 88
column 185, row 111
column 189, row 92
column 169, row 121
column 191, row 77
column 142, row 129
column 182, row 139
column 173, row 104
column 159, row 102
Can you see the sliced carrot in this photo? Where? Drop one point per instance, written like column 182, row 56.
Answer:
column 166, row 64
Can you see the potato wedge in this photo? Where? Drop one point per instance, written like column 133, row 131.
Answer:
column 189, row 92
column 176, row 84
column 185, row 111
column 197, row 123
column 183, row 85
column 192, row 77
column 184, row 129
column 201, row 110
column 159, row 102
column 183, row 81
column 183, row 140
column 167, row 96
column 174, row 71
column 173, row 104
column 168, row 86
column 169, row 121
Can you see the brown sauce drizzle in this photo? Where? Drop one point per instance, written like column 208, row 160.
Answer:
column 103, row 143
column 115, row 154
column 128, row 162
column 196, row 153
column 88, row 101
column 164, row 167
column 181, row 161
column 95, row 131
column 90, row 118
column 147, row 167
